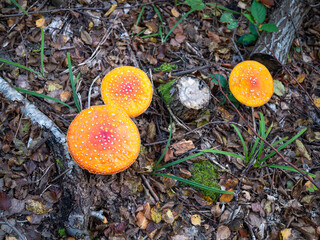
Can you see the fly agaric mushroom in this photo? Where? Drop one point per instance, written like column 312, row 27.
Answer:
column 251, row 83
column 128, row 88
column 103, row 140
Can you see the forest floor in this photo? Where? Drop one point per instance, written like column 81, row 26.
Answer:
column 38, row 184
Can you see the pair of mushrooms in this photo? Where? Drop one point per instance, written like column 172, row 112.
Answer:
column 104, row 140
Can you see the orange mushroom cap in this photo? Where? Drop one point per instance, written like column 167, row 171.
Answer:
column 251, row 83
column 103, row 140
column 128, row 88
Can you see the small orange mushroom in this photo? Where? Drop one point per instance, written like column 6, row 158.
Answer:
column 128, row 88
column 103, row 140
column 251, row 83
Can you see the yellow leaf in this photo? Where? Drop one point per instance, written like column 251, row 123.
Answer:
column 37, row 207
column 301, row 77
column 174, row 12
column 52, row 86
column 196, row 220
column 285, row 234
column 316, row 101
column 113, row 7
column 41, row 22
column 155, row 215
column 90, row 26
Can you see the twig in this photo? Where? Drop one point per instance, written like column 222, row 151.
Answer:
column 190, row 70
column 150, row 188
column 13, row 228
column 60, row 175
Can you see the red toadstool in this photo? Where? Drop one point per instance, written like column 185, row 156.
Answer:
column 128, row 88
column 251, row 83
column 103, row 140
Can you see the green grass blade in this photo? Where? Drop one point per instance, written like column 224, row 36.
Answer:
column 283, row 145
column 245, row 149
column 77, row 78
column 166, row 148
column 20, row 66
column 150, row 35
column 75, row 97
column 42, row 96
column 223, row 8
column 256, row 142
column 179, row 21
column 158, row 14
column 140, row 15
column 192, row 183
column 289, row 169
column 43, row 71
column 196, row 155
column 19, row 6
column 262, row 126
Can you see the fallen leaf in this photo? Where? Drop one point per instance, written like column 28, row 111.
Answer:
column 141, row 220
column 182, row 147
column 52, row 86
column 86, row 37
column 155, row 215
column 268, row 3
column 180, row 37
column 113, row 7
column 278, row 88
column 301, row 77
column 316, row 101
column 226, row 197
column 196, row 220
column 41, row 22
column 174, row 12
column 216, row 210
column 65, row 96
column 285, row 234
column 5, row 201
column 223, row 232
column 302, row 151
column 167, row 216
column 37, row 207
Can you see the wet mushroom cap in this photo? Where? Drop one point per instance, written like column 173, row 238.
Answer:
column 103, row 140
column 128, row 88
column 251, row 83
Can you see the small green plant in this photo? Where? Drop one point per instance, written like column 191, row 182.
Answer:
column 156, row 169
column 164, row 90
column 256, row 154
column 165, row 67
column 206, row 173
column 256, row 17
column 62, row 232
column 216, row 78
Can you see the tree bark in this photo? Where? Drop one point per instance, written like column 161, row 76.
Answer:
column 288, row 17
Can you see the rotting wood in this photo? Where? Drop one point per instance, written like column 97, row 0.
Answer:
column 190, row 96
column 288, row 17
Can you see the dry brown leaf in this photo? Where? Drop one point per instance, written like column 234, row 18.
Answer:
column 5, row 201
column 184, row 173
column 216, row 210
column 226, row 197
column 168, row 155
column 223, row 232
column 196, row 220
column 86, row 38
column 182, row 147
column 65, row 96
column 180, row 37
column 167, row 216
column 141, row 220
column 301, row 77
column 268, row 3
column 213, row 37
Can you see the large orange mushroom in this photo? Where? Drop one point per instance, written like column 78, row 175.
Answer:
column 128, row 88
column 251, row 83
column 103, row 140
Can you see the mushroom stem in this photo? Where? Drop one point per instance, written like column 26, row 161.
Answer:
column 253, row 120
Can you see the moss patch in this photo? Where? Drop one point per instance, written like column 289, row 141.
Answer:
column 164, row 90
column 207, row 174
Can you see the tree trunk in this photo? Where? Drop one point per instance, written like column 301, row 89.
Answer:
column 288, row 18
